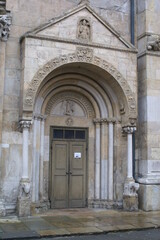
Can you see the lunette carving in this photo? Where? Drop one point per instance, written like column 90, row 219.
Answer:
column 69, row 98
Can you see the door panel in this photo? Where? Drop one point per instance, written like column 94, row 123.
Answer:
column 68, row 174
column 59, row 176
column 78, row 176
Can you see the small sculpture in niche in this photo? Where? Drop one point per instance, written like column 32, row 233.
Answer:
column 68, row 107
column 84, row 30
column 153, row 43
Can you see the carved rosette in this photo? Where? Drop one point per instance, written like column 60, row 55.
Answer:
column 81, row 55
column 129, row 129
column 5, row 22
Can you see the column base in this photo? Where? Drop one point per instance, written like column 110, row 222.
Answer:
column 130, row 196
column 149, row 196
column 2, row 208
column 24, row 207
column 40, row 207
column 24, row 198
column 130, row 203
column 104, row 204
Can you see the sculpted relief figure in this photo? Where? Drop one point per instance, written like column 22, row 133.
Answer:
column 68, row 107
column 84, row 30
column 5, row 22
column 153, row 43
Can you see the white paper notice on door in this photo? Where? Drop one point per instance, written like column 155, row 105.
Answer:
column 77, row 155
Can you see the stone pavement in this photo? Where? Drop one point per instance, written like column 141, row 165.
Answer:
column 76, row 221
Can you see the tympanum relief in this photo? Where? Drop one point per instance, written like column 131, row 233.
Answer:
column 68, row 108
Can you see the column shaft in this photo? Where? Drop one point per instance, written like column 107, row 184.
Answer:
column 129, row 157
column 41, row 159
column 97, row 173
column 110, row 177
column 25, row 154
column 104, row 160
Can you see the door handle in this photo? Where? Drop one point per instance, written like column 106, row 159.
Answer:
column 69, row 173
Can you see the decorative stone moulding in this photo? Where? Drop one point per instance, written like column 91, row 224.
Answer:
column 5, row 22
column 106, row 120
column 82, row 54
column 153, row 43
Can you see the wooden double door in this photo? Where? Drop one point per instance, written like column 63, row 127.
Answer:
column 68, row 188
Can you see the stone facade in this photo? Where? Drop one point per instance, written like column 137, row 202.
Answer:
column 71, row 64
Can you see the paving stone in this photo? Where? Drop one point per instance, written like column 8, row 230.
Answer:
column 19, row 235
column 59, row 232
column 38, row 224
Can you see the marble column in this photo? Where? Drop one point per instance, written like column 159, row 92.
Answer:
column 110, row 174
column 130, row 197
column 41, row 158
column 104, row 159
column 97, row 159
column 24, row 198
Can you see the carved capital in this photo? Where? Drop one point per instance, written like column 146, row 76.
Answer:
column 25, row 124
column 5, row 22
column 129, row 130
column 40, row 117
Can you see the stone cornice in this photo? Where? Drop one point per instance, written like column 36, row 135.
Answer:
column 77, row 42
column 146, row 34
column 149, row 53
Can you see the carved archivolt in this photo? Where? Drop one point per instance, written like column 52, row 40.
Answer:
column 81, row 55
column 69, row 99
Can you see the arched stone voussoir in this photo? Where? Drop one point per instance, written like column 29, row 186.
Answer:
column 82, row 55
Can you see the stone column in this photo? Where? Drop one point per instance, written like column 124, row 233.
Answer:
column 130, row 197
column 97, row 159
column 110, row 175
column 24, row 198
column 41, row 158
column 104, row 159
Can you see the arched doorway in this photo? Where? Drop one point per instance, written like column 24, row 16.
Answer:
column 80, row 96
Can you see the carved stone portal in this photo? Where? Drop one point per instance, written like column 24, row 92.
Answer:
column 84, row 30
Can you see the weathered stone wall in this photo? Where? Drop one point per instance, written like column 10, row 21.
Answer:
column 149, row 107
